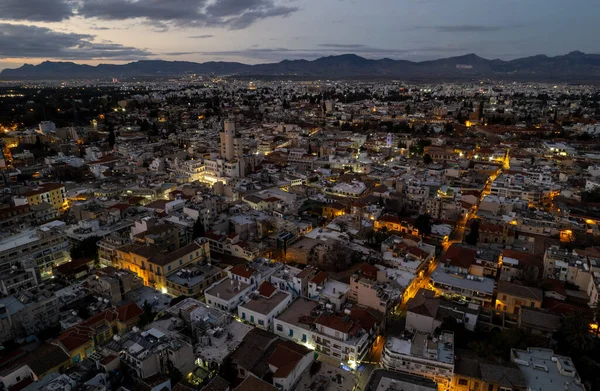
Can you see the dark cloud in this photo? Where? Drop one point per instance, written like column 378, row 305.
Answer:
column 472, row 28
column 36, row 10
column 233, row 14
column 21, row 41
column 342, row 46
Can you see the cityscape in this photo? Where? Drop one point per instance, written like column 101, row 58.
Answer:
column 344, row 222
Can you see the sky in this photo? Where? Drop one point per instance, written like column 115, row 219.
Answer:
column 259, row 31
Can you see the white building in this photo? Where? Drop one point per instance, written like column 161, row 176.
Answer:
column 227, row 294
column 423, row 355
column 266, row 303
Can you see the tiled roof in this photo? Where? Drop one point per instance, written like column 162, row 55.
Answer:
column 286, row 357
column 242, row 271
column 266, row 289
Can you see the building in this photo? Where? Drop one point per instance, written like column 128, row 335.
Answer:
column 231, row 146
column 34, row 366
column 51, row 193
column 384, row 380
column 454, row 277
column 473, row 373
column 511, row 297
column 425, row 312
column 193, row 280
column 288, row 362
column 47, row 245
column 27, row 313
column 231, row 245
column 227, row 294
column 151, row 352
column 262, row 307
column 542, row 369
column 81, row 341
column 423, row 355
column 154, row 264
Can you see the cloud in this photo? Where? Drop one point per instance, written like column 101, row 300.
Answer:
column 22, row 41
column 342, row 46
column 232, row 14
column 36, row 10
column 205, row 36
column 473, row 28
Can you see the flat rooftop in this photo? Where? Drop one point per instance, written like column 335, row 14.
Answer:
column 194, row 275
column 227, row 289
column 485, row 285
column 384, row 380
column 217, row 348
column 20, row 239
column 299, row 309
column 264, row 306
column 540, row 368
column 326, row 379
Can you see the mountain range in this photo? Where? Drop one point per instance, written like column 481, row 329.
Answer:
column 572, row 67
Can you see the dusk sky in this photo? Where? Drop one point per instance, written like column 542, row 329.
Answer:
column 255, row 31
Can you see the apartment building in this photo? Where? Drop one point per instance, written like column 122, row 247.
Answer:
column 423, row 355
column 152, row 352
column 51, row 193
column 263, row 305
column 27, row 313
column 48, row 245
column 193, row 280
column 512, row 297
column 154, row 264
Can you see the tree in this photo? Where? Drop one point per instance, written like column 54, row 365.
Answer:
column 575, row 330
column 423, row 224
column 427, row 159
column 343, row 226
column 148, row 314
column 111, row 137
column 473, row 236
column 87, row 248
column 198, row 229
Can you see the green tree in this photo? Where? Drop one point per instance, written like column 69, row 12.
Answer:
column 198, row 229
column 148, row 315
column 87, row 248
column 111, row 137
column 423, row 224
column 575, row 329
column 473, row 236
column 427, row 159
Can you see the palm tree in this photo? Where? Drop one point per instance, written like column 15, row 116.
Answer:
column 576, row 331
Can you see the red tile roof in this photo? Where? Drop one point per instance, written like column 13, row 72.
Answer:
column 128, row 312
column 319, row 278
column 266, row 289
column 286, row 356
column 459, row 256
column 242, row 271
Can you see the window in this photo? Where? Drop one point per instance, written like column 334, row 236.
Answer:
column 503, row 297
column 252, row 318
column 261, row 322
column 303, row 337
column 169, row 268
column 180, row 261
column 291, row 334
column 463, row 382
column 279, row 327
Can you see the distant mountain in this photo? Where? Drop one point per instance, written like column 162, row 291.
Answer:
column 573, row 67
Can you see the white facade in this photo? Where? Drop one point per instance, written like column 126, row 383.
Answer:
column 264, row 320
